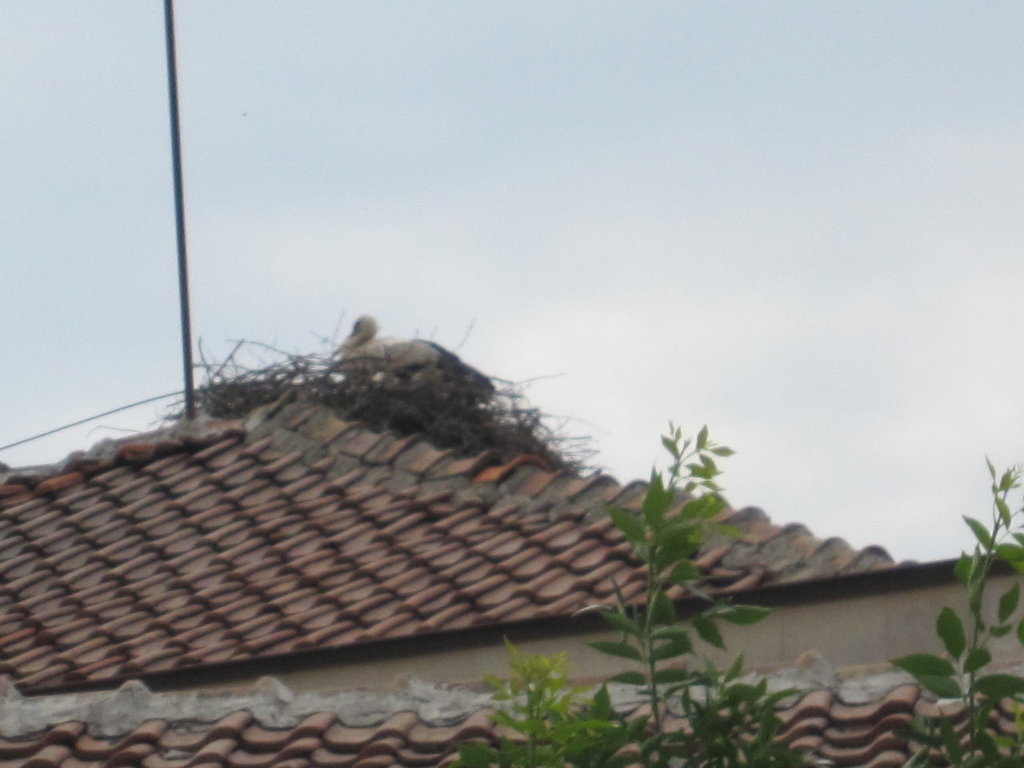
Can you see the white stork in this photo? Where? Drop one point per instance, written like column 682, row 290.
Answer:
column 364, row 351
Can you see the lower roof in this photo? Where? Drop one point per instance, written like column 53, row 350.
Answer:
column 416, row 728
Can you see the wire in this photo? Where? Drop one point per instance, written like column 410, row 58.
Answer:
column 91, row 418
column 179, row 208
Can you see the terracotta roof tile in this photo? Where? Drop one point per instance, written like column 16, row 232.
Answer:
column 519, row 607
column 358, row 442
column 500, row 472
column 529, row 480
column 194, row 552
column 463, row 467
column 13, row 489
column 420, row 457
column 448, row 617
column 329, row 430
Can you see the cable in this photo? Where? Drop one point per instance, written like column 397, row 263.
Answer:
column 179, row 208
column 91, row 418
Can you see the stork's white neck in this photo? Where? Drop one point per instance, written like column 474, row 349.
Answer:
column 363, row 332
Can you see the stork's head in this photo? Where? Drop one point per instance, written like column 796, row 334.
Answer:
column 364, row 329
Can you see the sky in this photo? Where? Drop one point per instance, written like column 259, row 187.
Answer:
column 796, row 222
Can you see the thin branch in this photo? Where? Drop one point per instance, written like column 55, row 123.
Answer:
column 467, row 416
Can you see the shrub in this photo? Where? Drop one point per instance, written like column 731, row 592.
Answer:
column 726, row 722
column 963, row 676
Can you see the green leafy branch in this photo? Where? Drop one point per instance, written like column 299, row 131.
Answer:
column 726, row 722
column 553, row 724
column 962, row 675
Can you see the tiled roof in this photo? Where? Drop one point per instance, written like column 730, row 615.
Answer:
column 298, row 531
column 831, row 731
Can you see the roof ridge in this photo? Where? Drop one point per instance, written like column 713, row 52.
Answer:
column 825, row 713
column 18, row 485
column 114, row 713
column 817, row 724
column 528, row 484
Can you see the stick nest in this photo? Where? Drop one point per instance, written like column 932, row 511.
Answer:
column 463, row 414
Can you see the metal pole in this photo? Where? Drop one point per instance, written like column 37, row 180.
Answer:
column 179, row 211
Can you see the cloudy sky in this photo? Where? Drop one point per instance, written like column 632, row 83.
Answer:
column 798, row 222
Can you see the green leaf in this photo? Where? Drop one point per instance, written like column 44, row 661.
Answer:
column 703, row 508
column 702, row 438
column 988, row 745
column 529, row 727
column 672, row 676
column 1003, row 509
column 744, row 615
column 676, row 543
column 951, row 740
column 676, row 646
column 661, row 633
column 601, row 704
column 1001, row 630
column 628, row 523
column 628, row 678
column 706, row 469
column 941, row 686
column 473, row 755
column 1020, row 632
column 998, row 686
column 698, row 470
column 684, row 572
column 980, row 532
column 734, row 668
column 743, row 692
column 975, row 590
column 951, row 630
column 678, row 529
column 708, row 631
column 1011, row 553
column 657, row 500
column 1009, row 480
column 976, row 659
column 622, row 622
column 670, row 445
column 1008, row 602
column 624, row 650
column 662, row 611
column 962, row 569
column 722, row 450
column 921, row 664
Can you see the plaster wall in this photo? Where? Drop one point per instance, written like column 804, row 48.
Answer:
column 856, row 634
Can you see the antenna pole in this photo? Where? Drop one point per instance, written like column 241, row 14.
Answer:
column 179, row 211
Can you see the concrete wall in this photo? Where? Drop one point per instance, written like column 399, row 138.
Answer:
column 856, row 634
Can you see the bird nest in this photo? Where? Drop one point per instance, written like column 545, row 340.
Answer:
column 463, row 414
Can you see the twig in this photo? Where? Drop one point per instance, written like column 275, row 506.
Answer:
column 452, row 412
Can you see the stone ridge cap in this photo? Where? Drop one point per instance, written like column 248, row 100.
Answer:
column 117, row 712
column 114, row 713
